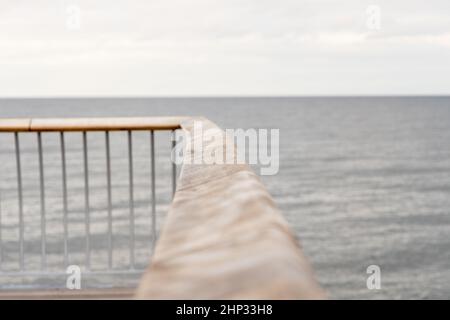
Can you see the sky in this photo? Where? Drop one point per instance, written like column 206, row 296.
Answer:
column 224, row 47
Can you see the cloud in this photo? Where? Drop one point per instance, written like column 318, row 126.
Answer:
column 221, row 47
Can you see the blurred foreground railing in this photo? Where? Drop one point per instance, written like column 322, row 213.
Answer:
column 223, row 237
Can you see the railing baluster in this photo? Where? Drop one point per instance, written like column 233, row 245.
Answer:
column 86, row 202
column 174, row 165
column 108, row 181
column 152, row 156
column 131, row 189
column 65, row 206
column 20, row 196
column 1, row 241
column 42, row 194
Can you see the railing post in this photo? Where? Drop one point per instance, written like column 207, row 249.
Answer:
column 109, row 194
column 64, row 191
column 153, row 199
column 42, row 194
column 131, row 194
column 174, row 164
column 20, row 196
column 86, row 202
column 1, row 241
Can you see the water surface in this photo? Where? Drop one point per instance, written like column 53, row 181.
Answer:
column 362, row 181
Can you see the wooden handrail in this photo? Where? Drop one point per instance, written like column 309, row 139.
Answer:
column 90, row 124
column 224, row 238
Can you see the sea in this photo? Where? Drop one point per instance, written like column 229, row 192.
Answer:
column 362, row 181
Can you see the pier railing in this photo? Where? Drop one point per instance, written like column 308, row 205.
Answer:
column 223, row 237
column 18, row 128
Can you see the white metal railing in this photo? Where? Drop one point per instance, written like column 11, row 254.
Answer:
column 19, row 127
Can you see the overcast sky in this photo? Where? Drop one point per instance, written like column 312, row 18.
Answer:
column 223, row 47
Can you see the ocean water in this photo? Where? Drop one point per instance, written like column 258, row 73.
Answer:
column 363, row 181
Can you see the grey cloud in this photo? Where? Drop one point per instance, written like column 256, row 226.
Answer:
column 299, row 46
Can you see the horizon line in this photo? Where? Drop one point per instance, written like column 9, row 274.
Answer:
column 250, row 96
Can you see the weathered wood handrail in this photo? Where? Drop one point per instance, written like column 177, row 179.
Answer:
column 225, row 239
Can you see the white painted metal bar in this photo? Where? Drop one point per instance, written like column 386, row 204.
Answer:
column 20, row 197
column 131, row 190
column 65, row 205
column 42, row 194
column 86, row 202
column 109, row 192
column 153, row 185
column 1, row 236
column 174, row 165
